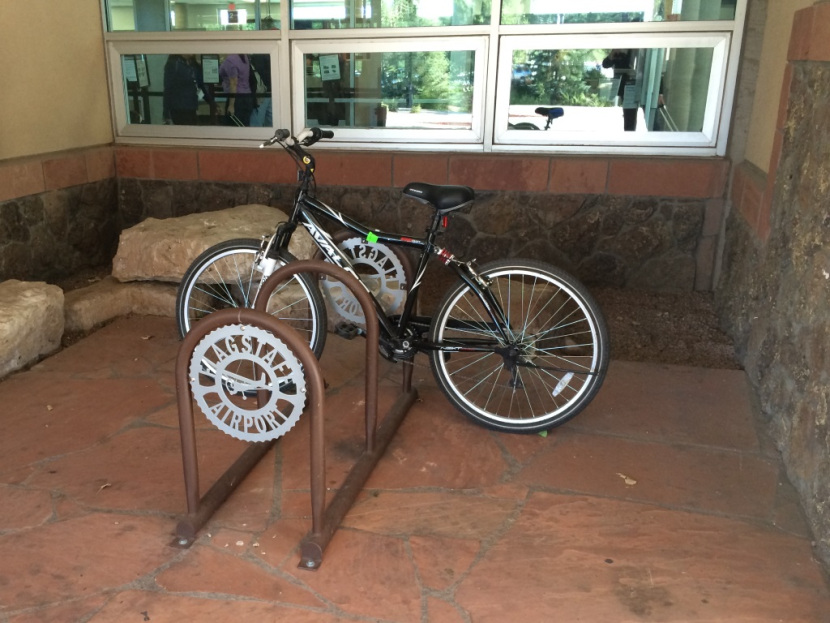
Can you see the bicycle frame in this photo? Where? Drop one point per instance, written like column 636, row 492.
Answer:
column 518, row 345
column 307, row 207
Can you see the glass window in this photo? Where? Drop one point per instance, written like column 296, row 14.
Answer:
column 431, row 89
column 198, row 89
column 425, row 87
column 553, row 75
column 319, row 14
column 644, row 94
column 188, row 90
column 614, row 11
column 181, row 15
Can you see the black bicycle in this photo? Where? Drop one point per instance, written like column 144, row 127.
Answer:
column 517, row 345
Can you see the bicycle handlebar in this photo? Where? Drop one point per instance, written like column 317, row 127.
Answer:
column 307, row 137
column 279, row 136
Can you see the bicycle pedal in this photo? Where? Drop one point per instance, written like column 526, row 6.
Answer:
column 347, row 331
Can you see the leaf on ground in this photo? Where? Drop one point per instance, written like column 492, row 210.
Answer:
column 627, row 479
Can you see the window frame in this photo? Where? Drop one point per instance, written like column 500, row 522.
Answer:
column 116, row 49
column 475, row 135
column 565, row 139
column 491, row 88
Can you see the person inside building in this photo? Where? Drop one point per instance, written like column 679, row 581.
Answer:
column 263, row 115
column 623, row 63
column 183, row 88
column 235, row 74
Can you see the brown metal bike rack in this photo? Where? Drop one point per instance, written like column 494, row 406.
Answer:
column 324, row 519
column 199, row 510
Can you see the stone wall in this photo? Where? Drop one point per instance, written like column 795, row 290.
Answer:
column 55, row 234
column 774, row 295
column 647, row 243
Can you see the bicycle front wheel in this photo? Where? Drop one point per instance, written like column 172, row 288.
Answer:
column 225, row 275
column 543, row 369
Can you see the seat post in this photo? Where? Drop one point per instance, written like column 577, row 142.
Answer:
column 434, row 226
column 429, row 249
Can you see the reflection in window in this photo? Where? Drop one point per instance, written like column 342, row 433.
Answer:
column 161, row 15
column 404, row 90
column 614, row 11
column 317, row 14
column 201, row 90
column 611, row 91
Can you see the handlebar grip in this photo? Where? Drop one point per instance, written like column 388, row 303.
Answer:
column 317, row 134
column 279, row 135
column 309, row 136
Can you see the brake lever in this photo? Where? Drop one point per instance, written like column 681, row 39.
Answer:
column 279, row 136
column 303, row 137
column 309, row 136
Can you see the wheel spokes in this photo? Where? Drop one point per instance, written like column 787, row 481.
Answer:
column 551, row 360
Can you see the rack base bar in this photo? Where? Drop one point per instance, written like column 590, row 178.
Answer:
column 313, row 545
column 194, row 521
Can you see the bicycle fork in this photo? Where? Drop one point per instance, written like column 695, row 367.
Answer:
column 265, row 264
column 509, row 351
column 480, row 285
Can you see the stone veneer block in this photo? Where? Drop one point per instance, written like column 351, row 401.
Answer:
column 19, row 180
column 354, row 169
column 501, row 173
column 134, row 162
column 64, row 171
column 162, row 249
column 578, row 175
column 810, row 38
column 658, row 177
column 429, row 168
column 820, row 35
column 175, row 164
column 31, row 322
column 261, row 166
column 749, row 185
column 87, row 308
column 800, row 35
column 100, row 164
column 784, row 98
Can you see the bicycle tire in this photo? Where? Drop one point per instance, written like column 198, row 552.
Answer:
column 224, row 276
column 560, row 340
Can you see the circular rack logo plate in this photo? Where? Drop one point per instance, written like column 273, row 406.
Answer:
column 235, row 368
column 379, row 268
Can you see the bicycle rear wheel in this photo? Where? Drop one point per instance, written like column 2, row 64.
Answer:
column 549, row 367
column 225, row 275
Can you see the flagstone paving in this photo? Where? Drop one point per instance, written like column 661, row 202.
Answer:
column 660, row 502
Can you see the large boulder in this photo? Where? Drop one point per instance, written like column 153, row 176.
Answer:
column 88, row 307
column 31, row 322
column 162, row 249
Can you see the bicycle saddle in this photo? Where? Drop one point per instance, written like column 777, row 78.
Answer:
column 442, row 198
column 550, row 113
